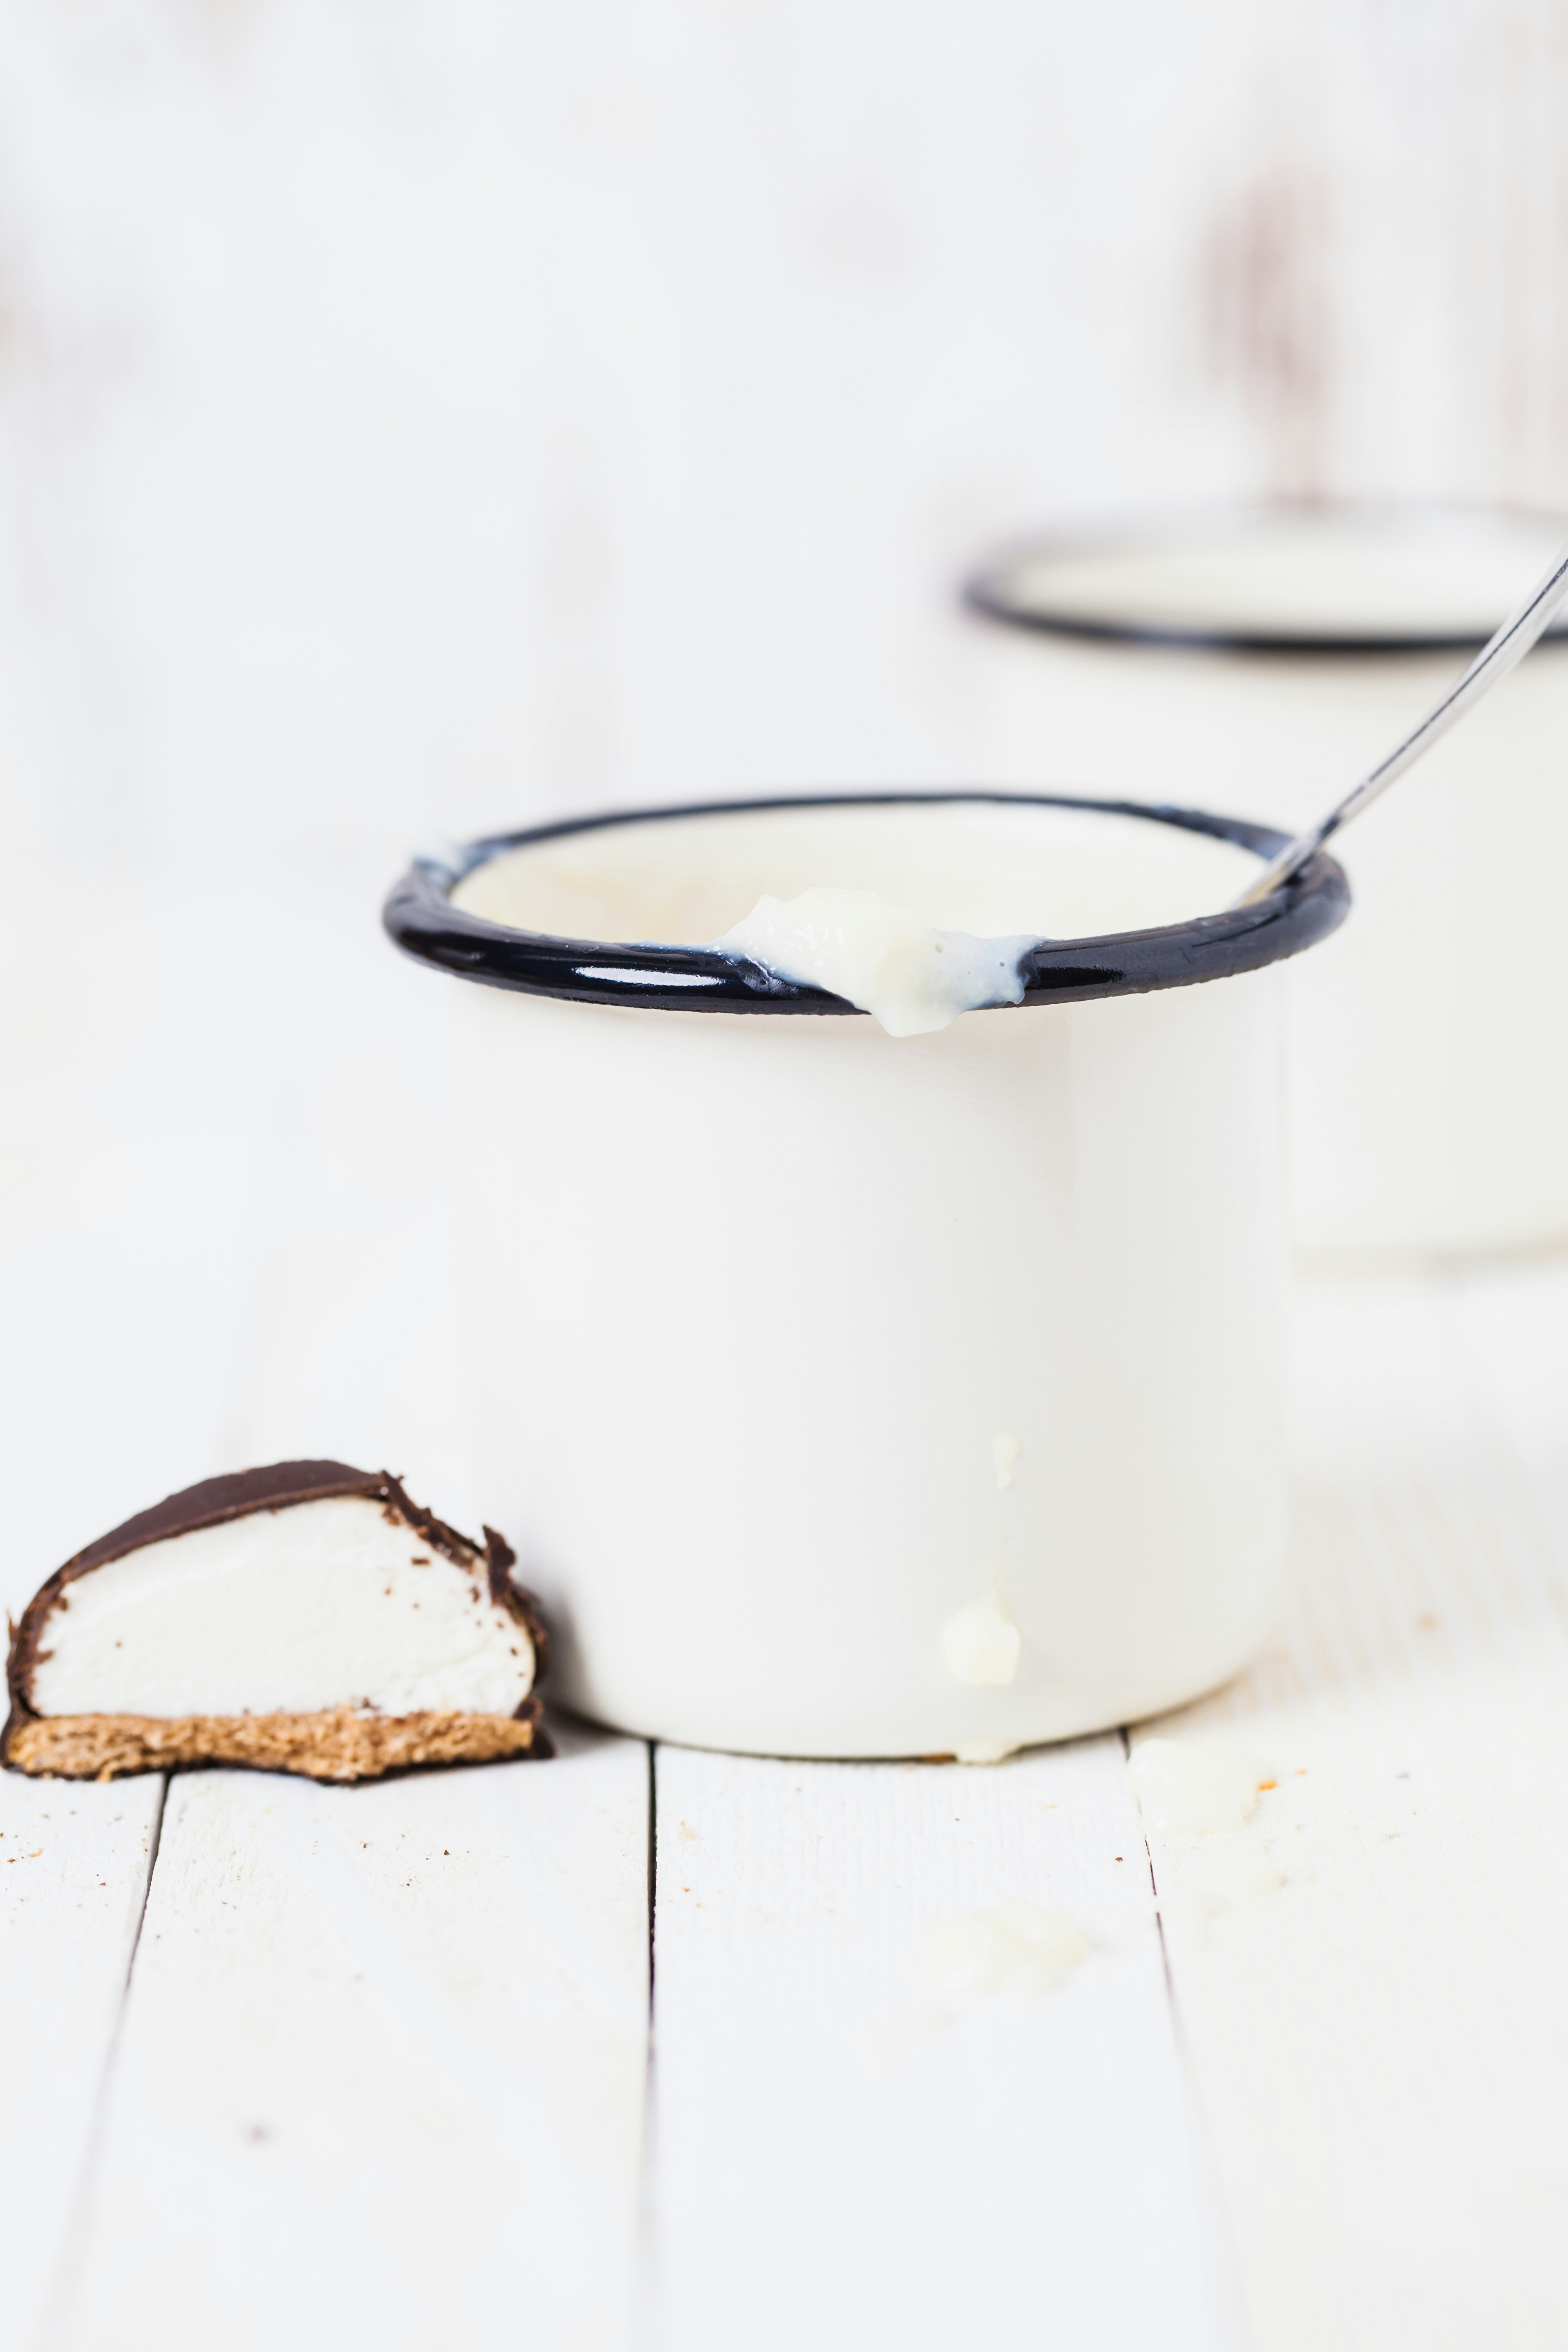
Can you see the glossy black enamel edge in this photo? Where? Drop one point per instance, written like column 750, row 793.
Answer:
column 419, row 916
column 985, row 592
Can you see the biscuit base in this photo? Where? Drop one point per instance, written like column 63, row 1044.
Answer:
column 337, row 1743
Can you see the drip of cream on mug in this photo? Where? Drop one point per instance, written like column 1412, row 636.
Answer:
column 886, row 960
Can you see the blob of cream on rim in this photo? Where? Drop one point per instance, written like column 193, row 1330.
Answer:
column 886, row 960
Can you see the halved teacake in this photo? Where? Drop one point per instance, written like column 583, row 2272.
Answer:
column 306, row 1617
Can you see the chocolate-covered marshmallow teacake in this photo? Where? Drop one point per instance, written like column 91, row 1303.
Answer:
column 304, row 1618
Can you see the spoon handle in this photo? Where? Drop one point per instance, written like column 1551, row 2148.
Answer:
column 1496, row 658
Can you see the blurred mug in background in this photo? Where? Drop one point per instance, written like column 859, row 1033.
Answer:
column 1262, row 659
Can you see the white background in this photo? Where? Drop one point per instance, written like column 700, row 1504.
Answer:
column 419, row 415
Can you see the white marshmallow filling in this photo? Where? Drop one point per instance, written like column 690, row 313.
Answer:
column 310, row 1607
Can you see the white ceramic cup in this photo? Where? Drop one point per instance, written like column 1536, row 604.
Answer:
column 1264, row 660
column 847, row 1395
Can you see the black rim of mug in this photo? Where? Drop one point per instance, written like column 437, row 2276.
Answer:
column 420, row 917
column 990, row 590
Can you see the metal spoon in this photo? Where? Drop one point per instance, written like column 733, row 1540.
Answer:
column 1494, row 661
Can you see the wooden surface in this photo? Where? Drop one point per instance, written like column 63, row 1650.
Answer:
column 380, row 2066
column 380, row 2076
column 1369, row 1976
column 75, row 1878
column 851, row 2149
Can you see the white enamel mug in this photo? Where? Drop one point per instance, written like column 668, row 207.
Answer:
column 1265, row 659
column 850, row 1395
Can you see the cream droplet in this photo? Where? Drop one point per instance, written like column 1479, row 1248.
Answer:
column 1018, row 1948
column 984, row 1751
column 1004, row 1457
column 982, row 1644
column 1199, row 1786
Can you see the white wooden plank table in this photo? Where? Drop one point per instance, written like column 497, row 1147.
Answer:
column 375, row 2063
column 1369, row 1978
column 850, row 2150
column 75, row 1876
column 389, row 2056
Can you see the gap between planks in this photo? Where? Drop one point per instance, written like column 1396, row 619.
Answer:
column 71, row 1906
column 74, row 2247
